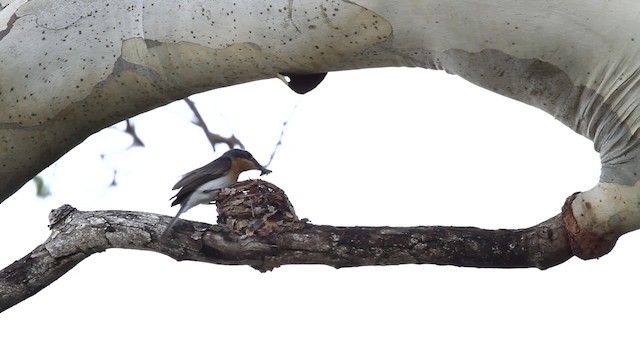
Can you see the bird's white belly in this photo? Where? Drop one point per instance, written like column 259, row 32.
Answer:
column 208, row 191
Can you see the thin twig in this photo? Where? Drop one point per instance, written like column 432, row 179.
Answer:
column 131, row 130
column 284, row 125
column 213, row 139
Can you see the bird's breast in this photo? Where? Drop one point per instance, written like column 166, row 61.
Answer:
column 207, row 192
column 218, row 183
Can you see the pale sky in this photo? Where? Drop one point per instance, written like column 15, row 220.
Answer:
column 432, row 149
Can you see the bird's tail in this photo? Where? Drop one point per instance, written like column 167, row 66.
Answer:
column 173, row 221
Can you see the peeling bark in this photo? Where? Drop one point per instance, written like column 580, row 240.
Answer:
column 285, row 240
column 584, row 243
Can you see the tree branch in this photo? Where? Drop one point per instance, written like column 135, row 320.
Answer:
column 214, row 139
column 284, row 127
column 257, row 227
column 131, row 130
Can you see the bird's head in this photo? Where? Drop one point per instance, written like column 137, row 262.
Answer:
column 246, row 161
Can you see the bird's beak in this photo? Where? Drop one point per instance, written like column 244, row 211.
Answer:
column 265, row 171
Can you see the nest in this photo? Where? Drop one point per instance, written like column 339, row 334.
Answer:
column 256, row 207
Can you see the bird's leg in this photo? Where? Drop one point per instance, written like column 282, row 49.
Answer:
column 173, row 221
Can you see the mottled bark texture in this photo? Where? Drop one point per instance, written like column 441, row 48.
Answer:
column 258, row 227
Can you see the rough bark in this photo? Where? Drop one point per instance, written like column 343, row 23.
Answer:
column 81, row 234
column 258, row 228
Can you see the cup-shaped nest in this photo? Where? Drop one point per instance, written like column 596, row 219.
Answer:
column 256, row 207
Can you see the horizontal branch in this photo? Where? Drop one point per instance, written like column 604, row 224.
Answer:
column 78, row 234
column 257, row 226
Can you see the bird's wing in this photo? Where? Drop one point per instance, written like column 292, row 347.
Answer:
column 198, row 177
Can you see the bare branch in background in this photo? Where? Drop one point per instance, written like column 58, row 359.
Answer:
column 114, row 182
column 284, row 126
column 273, row 154
column 113, row 179
column 214, row 139
column 131, row 130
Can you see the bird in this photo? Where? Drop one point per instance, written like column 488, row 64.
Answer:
column 202, row 185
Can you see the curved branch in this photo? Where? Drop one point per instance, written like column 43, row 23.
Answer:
column 538, row 54
column 535, row 53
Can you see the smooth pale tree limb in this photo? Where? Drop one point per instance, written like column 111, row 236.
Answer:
column 258, row 227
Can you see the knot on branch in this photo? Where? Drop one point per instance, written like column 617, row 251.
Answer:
column 59, row 214
column 584, row 243
column 256, row 207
